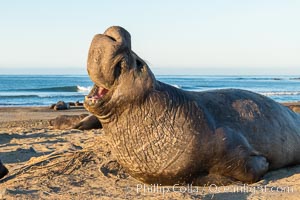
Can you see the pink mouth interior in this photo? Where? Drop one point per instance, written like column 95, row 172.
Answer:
column 100, row 93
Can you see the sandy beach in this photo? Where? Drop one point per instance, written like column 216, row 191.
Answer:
column 45, row 163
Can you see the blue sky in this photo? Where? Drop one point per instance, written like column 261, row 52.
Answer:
column 178, row 37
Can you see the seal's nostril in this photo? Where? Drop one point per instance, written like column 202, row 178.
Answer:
column 112, row 38
column 120, row 35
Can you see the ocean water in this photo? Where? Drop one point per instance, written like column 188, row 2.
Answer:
column 43, row 90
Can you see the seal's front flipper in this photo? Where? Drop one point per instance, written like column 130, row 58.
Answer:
column 248, row 171
column 255, row 167
column 236, row 158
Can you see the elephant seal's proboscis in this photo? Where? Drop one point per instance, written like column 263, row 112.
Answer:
column 165, row 135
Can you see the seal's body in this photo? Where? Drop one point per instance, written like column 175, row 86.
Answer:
column 165, row 135
column 81, row 122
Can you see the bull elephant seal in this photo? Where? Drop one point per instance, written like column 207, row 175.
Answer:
column 164, row 135
column 81, row 122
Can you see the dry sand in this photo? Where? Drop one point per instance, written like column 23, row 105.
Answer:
column 52, row 164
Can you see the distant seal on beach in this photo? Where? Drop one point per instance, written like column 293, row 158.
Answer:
column 164, row 135
column 3, row 170
column 81, row 122
column 60, row 105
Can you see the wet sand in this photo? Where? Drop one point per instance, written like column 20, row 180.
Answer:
column 45, row 163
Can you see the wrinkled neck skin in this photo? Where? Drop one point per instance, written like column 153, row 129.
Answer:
column 147, row 132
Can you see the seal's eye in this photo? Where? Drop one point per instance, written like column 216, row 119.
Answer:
column 118, row 69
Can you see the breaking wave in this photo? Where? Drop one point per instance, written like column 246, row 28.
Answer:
column 281, row 93
column 75, row 88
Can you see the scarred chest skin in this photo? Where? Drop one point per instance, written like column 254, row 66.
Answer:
column 157, row 140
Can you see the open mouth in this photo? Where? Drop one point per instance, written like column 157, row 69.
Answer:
column 96, row 94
